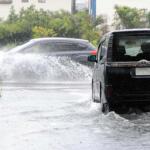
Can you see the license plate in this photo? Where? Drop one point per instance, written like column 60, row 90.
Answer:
column 142, row 71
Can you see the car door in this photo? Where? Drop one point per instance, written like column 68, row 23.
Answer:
column 98, row 77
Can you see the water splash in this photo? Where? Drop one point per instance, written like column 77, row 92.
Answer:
column 27, row 68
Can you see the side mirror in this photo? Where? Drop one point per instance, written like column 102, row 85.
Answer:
column 92, row 58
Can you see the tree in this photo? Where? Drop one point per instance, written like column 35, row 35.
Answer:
column 38, row 32
column 32, row 23
column 126, row 17
column 12, row 17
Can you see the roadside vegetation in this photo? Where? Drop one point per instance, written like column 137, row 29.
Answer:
column 33, row 23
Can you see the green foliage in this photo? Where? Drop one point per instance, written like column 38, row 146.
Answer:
column 148, row 19
column 12, row 16
column 38, row 32
column 86, row 28
column 100, row 20
column 32, row 23
column 127, row 17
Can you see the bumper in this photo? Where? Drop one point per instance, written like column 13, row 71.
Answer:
column 130, row 96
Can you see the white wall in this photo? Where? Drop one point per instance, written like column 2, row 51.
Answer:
column 103, row 6
column 52, row 5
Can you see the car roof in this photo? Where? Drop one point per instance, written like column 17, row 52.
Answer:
column 59, row 39
column 130, row 30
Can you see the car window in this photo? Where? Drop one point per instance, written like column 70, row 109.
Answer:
column 56, row 46
column 132, row 48
column 69, row 46
column 101, row 51
column 38, row 47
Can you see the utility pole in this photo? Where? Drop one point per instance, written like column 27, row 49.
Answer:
column 73, row 6
column 92, row 8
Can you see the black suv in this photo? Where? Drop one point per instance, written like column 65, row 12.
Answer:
column 122, row 69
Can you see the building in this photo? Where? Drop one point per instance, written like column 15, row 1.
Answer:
column 52, row 5
column 105, row 7
column 81, row 5
column 89, row 5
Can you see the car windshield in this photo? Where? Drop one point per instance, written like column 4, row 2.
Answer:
column 131, row 48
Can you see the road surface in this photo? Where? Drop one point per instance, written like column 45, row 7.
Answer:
column 47, row 106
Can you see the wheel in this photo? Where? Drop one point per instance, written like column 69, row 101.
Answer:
column 106, row 108
column 92, row 92
column 106, row 104
column 93, row 95
column 100, row 93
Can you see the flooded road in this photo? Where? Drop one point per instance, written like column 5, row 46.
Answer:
column 57, row 114
column 62, row 117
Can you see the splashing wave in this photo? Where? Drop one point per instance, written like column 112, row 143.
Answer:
column 19, row 67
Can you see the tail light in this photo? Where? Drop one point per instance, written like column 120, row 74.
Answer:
column 93, row 52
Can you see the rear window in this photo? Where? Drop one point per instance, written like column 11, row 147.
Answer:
column 133, row 47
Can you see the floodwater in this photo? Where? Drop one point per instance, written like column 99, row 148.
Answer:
column 46, row 104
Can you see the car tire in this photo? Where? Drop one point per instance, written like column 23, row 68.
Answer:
column 100, row 93
column 106, row 108
column 93, row 98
